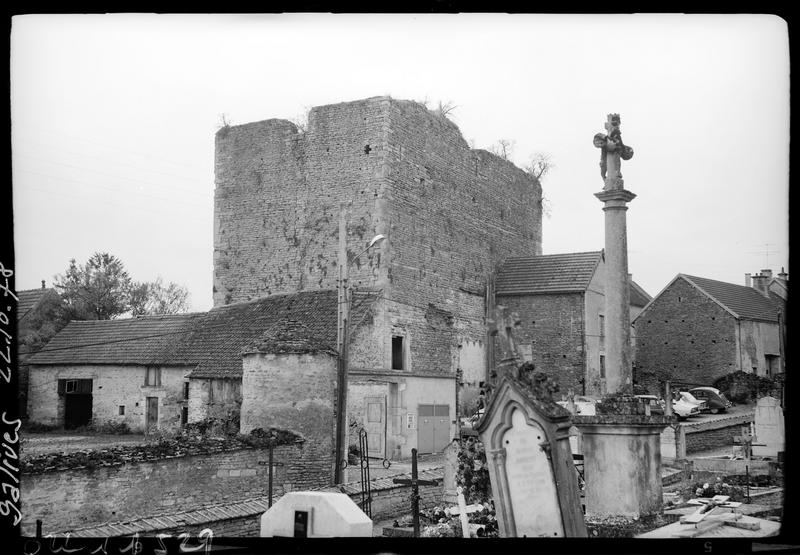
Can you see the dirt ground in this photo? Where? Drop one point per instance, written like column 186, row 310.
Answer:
column 39, row 443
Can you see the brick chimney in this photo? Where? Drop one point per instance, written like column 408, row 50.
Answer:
column 767, row 274
column 760, row 283
column 747, row 281
column 43, row 287
column 783, row 274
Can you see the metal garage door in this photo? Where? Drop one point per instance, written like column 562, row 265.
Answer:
column 433, row 428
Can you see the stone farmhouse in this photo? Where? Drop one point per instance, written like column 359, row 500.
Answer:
column 165, row 371
column 697, row 330
column 560, row 301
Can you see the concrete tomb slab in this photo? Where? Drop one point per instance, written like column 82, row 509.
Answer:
column 315, row 514
column 770, row 433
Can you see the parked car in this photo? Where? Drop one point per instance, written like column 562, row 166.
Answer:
column 684, row 409
column 656, row 404
column 691, row 399
column 716, row 400
column 585, row 406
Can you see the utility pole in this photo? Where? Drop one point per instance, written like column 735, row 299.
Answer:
column 343, row 341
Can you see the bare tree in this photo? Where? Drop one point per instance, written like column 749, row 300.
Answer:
column 503, row 148
column 540, row 165
column 446, row 108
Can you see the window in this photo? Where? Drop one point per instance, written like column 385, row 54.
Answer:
column 152, row 375
column 602, row 366
column 184, row 417
column 71, row 386
column 186, row 390
column 122, row 410
column 602, row 325
column 398, row 353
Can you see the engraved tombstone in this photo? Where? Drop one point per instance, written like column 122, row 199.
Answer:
column 526, row 437
column 770, row 435
column 449, row 487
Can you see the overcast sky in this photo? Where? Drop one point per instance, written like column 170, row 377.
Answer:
column 113, row 122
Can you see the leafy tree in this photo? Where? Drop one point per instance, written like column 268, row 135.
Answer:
column 101, row 289
column 157, row 298
column 96, row 290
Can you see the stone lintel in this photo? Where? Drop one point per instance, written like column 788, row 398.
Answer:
column 622, row 195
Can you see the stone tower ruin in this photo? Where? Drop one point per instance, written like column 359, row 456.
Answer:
column 450, row 215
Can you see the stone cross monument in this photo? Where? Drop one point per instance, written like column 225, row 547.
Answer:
column 617, row 293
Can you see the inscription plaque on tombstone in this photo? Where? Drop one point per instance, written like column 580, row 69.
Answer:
column 531, row 478
column 769, row 425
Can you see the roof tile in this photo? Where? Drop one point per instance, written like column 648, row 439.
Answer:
column 552, row 273
column 744, row 301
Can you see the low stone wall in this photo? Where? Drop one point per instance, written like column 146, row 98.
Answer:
column 66, row 498
column 711, row 434
column 243, row 518
column 691, row 437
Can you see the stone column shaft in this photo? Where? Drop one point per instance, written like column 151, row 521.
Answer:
column 619, row 372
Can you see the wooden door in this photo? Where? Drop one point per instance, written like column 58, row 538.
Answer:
column 425, row 429
column 433, row 428
column 77, row 410
column 375, row 425
column 151, row 413
column 441, row 427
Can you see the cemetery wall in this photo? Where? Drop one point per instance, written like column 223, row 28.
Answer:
column 684, row 337
column 552, row 331
column 79, row 497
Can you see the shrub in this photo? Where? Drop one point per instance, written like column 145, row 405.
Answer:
column 473, row 473
column 746, row 387
column 36, row 427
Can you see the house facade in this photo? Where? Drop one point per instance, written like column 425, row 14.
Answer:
column 560, row 302
column 697, row 330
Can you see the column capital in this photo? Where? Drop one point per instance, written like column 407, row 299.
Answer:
column 615, row 195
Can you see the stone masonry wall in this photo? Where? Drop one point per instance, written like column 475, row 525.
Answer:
column 552, row 325
column 277, row 199
column 684, row 337
column 449, row 213
column 112, row 387
column 454, row 214
column 295, row 393
column 81, row 497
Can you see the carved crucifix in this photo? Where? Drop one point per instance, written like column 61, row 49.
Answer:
column 502, row 326
column 611, row 150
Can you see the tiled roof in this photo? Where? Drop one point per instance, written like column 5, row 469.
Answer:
column 212, row 342
column 743, row 301
column 552, row 273
column 28, row 299
column 277, row 322
column 145, row 340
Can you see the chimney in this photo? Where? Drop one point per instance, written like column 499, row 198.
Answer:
column 747, row 280
column 783, row 274
column 43, row 287
column 767, row 273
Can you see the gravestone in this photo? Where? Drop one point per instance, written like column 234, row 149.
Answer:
column 449, row 493
column 526, row 437
column 315, row 514
column 770, row 434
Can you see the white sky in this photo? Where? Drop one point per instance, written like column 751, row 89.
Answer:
column 113, row 122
